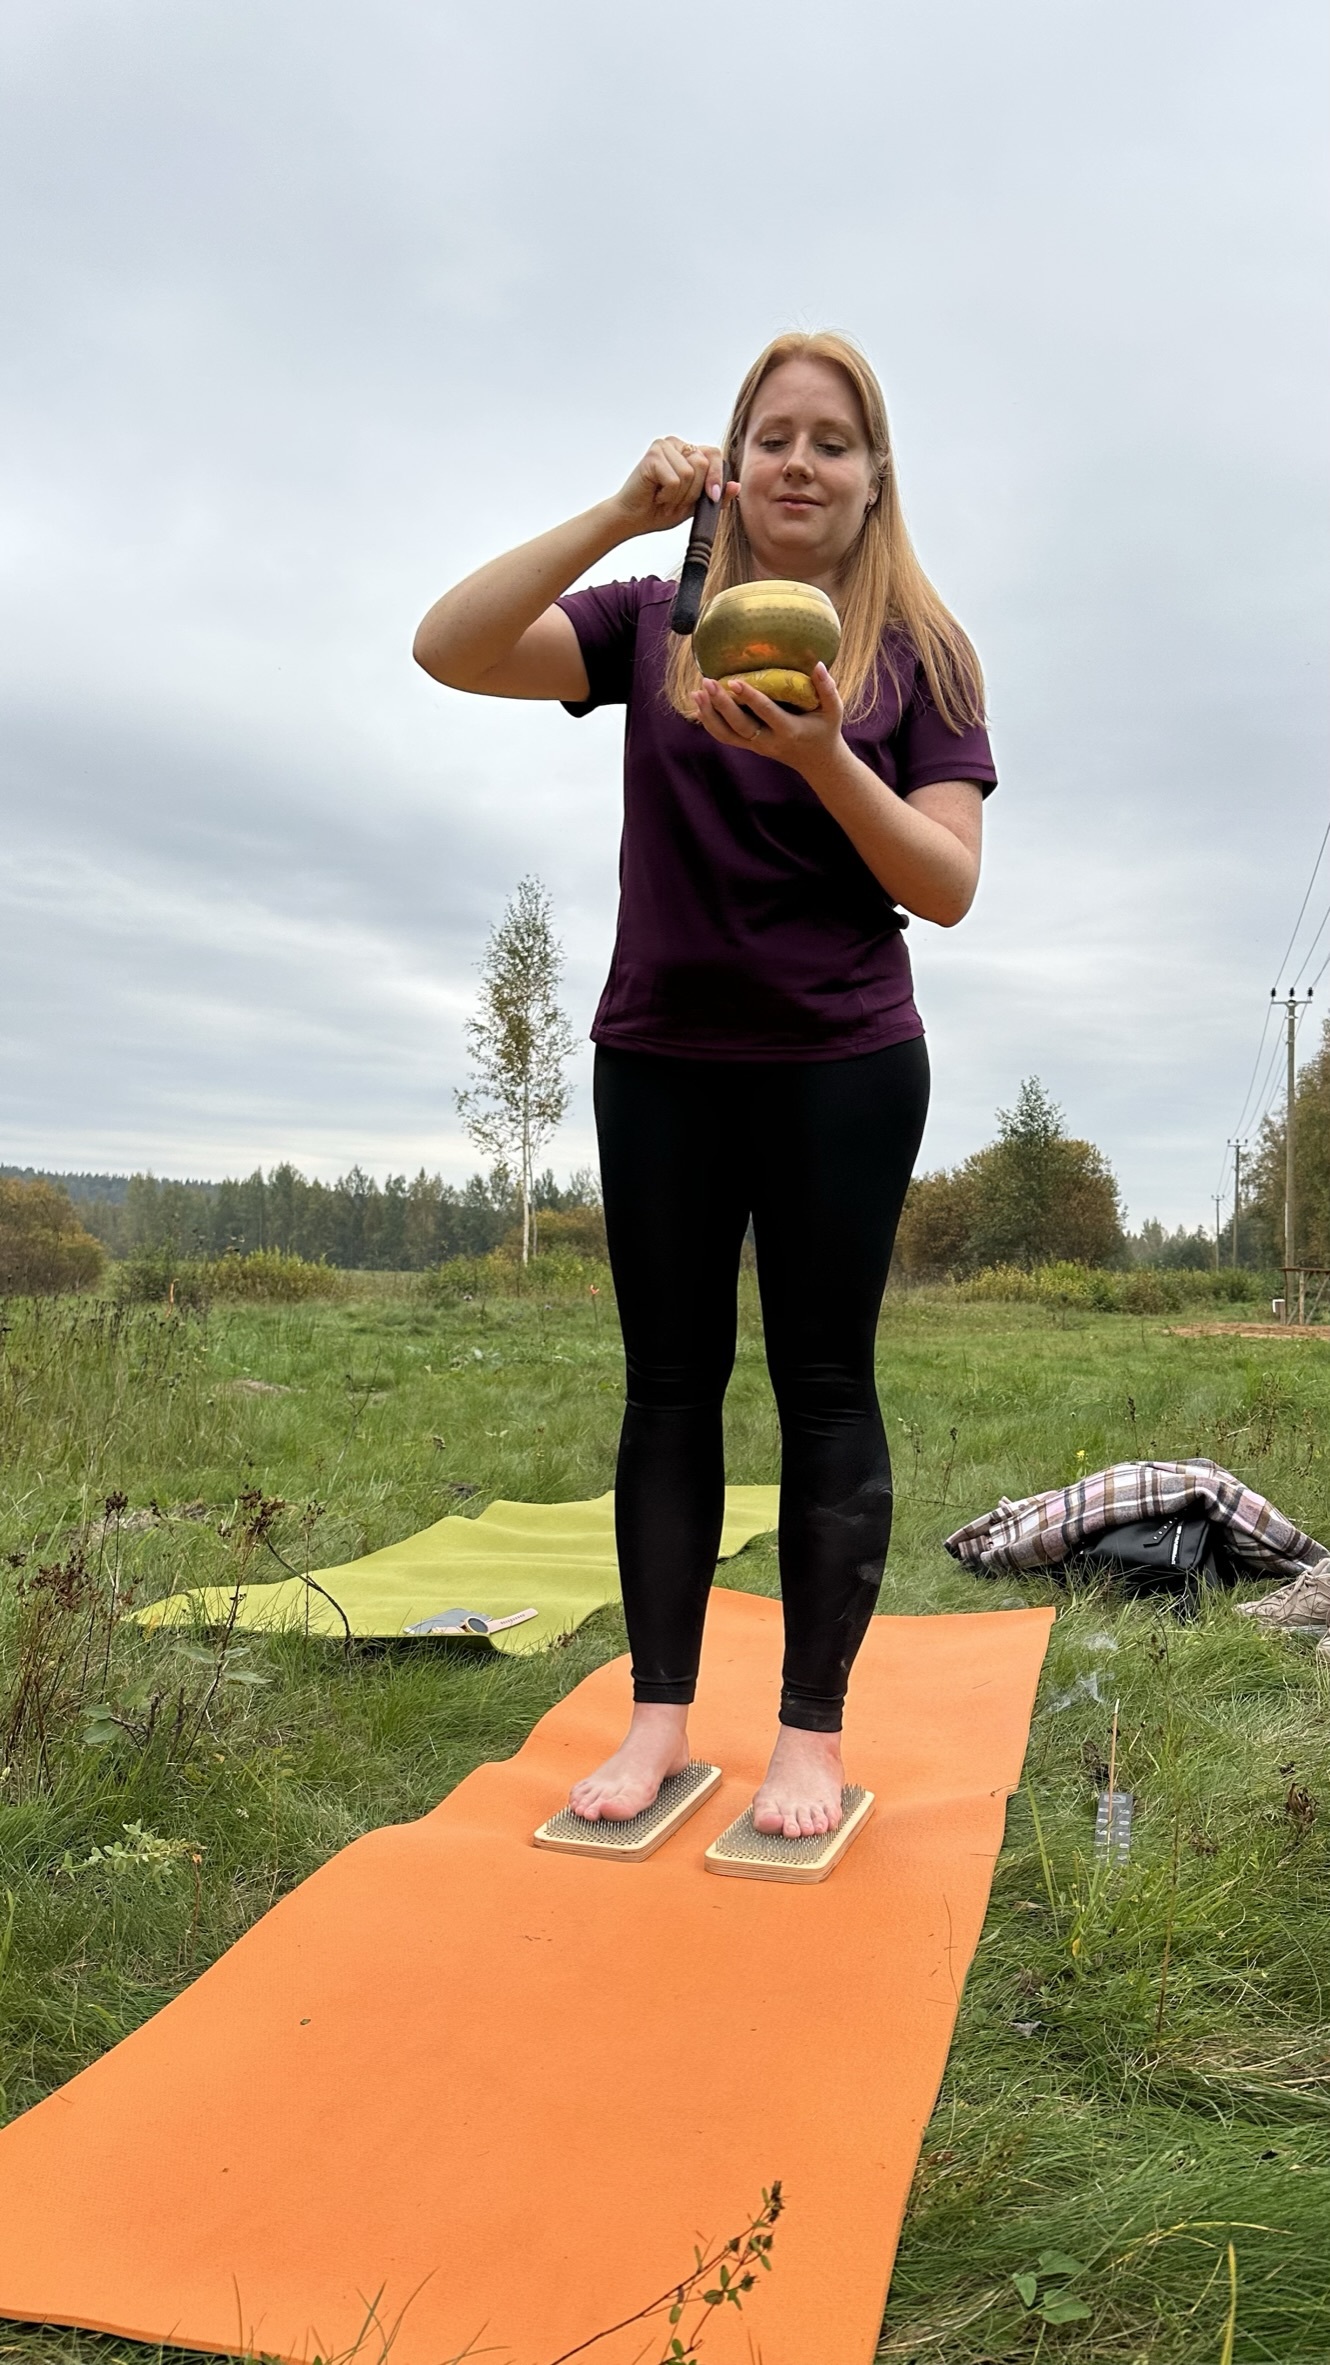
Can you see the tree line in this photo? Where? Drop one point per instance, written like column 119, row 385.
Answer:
column 356, row 1223
column 1035, row 1195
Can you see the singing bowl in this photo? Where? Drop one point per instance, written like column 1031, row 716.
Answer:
column 774, row 629
column 779, row 682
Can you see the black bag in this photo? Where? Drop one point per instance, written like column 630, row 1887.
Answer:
column 1180, row 1555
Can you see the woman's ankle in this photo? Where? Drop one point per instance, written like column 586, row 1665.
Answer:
column 660, row 1716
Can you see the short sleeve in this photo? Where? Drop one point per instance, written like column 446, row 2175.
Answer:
column 927, row 749
column 604, row 617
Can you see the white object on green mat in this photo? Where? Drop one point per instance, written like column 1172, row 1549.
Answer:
column 469, row 1623
column 557, row 1558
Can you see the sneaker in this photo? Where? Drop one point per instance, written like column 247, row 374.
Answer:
column 1303, row 1607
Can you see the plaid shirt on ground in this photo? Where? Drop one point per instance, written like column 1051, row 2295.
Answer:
column 1045, row 1529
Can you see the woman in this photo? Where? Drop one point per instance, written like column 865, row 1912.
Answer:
column 758, row 1054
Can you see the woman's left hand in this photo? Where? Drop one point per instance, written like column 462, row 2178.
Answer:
column 739, row 716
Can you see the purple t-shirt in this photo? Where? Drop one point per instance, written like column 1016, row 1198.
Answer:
column 749, row 928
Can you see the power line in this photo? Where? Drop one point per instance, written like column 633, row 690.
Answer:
column 1302, row 965
column 1265, row 1027
column 1272, row 1082
column 1260, row 1102
column 1237, row 1148
column 1269, row 1091
column 1269, row 1012
column 1293, row 1012
column 1319, row 974
column 1302, row 907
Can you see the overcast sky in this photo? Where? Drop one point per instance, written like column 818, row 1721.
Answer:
column 309, row 308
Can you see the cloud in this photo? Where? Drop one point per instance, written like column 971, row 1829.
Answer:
column 315, row 308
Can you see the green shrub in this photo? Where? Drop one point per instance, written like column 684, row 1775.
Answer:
column 554, row 1274
column 158, row 1277
column 265, row 1275
column 562, row 1231
column 43, row 1246
column 1147, row 1290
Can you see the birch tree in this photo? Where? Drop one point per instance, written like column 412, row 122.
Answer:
column 519, row 1042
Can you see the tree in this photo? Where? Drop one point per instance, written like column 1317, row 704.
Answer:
column 520, row 1043
column 936, row 1226
column 43, row 1246
column 1034, row 1196
column 1042, row 1196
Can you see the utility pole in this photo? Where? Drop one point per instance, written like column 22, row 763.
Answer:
column 1237, row 1148
column 1216, row 1200
column 1292, row 1004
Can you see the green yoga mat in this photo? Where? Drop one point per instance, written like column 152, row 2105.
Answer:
column 555, row 1558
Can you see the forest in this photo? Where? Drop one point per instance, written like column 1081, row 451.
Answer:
column 355, row 1223
column 1034, row 1195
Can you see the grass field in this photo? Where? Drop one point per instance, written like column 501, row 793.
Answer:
column 1141, row 2076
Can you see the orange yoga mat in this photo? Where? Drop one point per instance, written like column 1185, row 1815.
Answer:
column 497, row 2094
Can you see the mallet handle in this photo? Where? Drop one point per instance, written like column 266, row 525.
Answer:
column 693, row 574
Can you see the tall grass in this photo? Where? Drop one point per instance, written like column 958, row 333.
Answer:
column 1147, row 1290
column 265, row 1276
column 1142, row 2071
column 557, row 1275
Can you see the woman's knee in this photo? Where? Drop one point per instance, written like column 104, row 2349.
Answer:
column 678, row 1384
column 825, row 1396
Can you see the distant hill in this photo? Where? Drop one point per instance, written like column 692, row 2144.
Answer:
column 110, row 1189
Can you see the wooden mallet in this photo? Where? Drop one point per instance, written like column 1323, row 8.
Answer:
column 697, row 558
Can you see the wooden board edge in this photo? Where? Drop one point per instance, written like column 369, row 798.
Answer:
column 608, row 1852
column 794, row 1875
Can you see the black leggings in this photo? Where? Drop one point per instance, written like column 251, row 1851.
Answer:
column 818, row 1153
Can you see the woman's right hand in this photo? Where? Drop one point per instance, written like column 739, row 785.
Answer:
column 500, row 633
column 667, row 484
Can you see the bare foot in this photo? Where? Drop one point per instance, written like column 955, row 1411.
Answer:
column 656, row 1745
column 801, row 1794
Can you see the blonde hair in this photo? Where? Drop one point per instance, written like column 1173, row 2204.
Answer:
column 882, row 582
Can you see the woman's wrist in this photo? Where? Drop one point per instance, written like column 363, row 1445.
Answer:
column 830, row 770
column 608, row 525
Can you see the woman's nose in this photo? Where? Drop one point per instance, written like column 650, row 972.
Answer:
column 798, row 464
